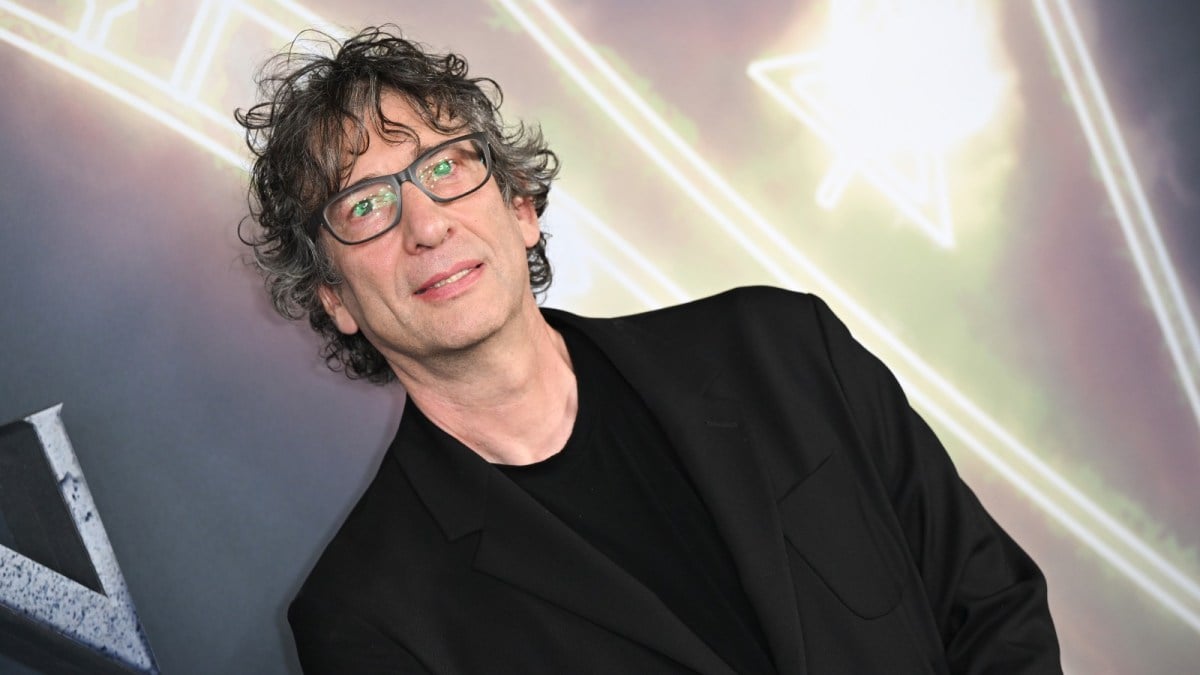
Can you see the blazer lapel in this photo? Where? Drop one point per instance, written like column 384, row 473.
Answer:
column 706, row 428
column 524, row 545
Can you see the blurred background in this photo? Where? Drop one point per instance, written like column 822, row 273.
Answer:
column 999, row 198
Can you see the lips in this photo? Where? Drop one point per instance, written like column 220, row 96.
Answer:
column 440, row 280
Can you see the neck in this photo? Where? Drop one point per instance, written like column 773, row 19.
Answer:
column 512, row 399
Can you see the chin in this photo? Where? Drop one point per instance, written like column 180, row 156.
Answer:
column 466, row 336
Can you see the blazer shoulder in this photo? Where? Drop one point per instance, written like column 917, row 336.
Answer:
column 741, row 312
column 739, row 299
column 747, row 297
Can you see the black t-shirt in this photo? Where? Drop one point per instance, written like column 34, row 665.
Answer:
column 618, row 483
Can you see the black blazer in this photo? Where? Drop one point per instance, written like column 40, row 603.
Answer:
column 856, row 542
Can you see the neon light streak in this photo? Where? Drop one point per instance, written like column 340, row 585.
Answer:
column 208, row 53
column 1061, row 514
column 643, row 142
column 834, row 185
column 107, row 19
column 189, row 45
column 1139, row 562
column 172, row 87
column 170, row 121
column 107, row 58
column 631, row 254
column 1154, row 266
column 275, row 27
column 89, row 13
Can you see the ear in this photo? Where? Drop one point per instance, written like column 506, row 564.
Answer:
column 527, row 220
column 331, row 300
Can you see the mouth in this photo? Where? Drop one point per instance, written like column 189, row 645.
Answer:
column 441, row 282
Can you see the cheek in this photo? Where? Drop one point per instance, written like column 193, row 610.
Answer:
column 374, row 265
column 369, row 282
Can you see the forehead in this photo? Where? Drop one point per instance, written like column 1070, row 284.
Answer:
column 394, row 135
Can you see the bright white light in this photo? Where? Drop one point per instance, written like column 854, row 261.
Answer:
column 908, row 77
column 891, row 87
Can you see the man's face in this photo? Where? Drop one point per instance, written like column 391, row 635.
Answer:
column 447, row 277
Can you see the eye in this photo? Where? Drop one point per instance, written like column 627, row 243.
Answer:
column 440, row 169
column 383, row 198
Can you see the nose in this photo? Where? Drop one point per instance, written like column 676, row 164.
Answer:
column 424, row 222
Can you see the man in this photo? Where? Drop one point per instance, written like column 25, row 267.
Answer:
column 728, row 486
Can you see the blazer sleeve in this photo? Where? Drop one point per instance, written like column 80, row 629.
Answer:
column 334, row 642
column 988, row 597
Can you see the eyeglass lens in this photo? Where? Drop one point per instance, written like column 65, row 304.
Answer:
column 444, row 174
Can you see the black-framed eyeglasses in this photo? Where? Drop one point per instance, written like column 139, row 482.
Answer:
column 369, row 208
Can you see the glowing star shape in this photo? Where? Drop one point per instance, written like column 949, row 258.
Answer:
column 894, row 85
column 78, row 616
